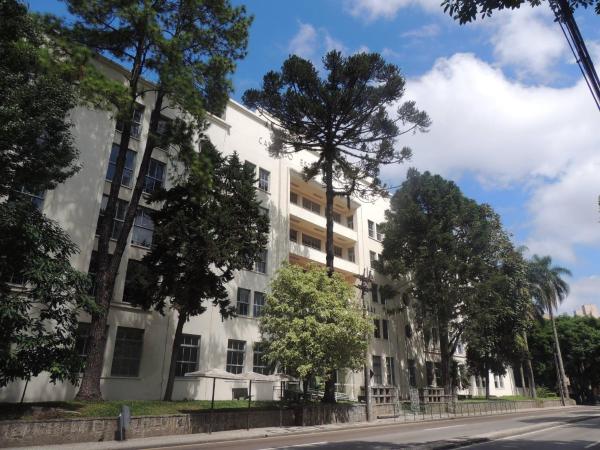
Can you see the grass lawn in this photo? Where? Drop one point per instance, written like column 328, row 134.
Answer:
column 55, row 410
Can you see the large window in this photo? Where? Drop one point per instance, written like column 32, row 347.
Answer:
column 390, row 371
column 127, row 178
column 377, row 328
column 235, row 356
column 263, row 179
column 377, row 375
column 37, row 198
column 243, row 301
column 374, row 292
column 187, row 355
column 260, row 264
column 337, row 217
column 384, row 328
column 155, row 177
column 293, row 235
column 259, row 303
column 311, row 242
column 371, row 227
column 351, row 256
column 82, row 339
column 119, row 218
column 92, row 271
column 128, row 352
column 337, row 251
column 134, row 271
column 350, row 222
column 310, row 205
column 412, row 373
column 136, row 122
column 259, row 365
column 143, row 228
column 294, row 198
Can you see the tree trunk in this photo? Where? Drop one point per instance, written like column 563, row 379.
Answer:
column 522, row 375
column 108, row 265
column 446, row 357
column 487, row 383
column 532, row 389
column 561, row 367
column 181, row 320
column 329, row 196
column 329, row 393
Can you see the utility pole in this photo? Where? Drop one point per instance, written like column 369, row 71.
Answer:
column 365, row 280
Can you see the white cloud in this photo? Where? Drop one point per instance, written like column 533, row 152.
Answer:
column 333, row 44
column 505, row 133
column 529, row 39
column 584, row 291
column 426, row 31
column 363, row 49
column 371, row 10
column 304, row 42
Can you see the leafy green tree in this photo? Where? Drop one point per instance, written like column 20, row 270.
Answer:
column 203, row 234
column 549, row 290
column 188, row 48
column 451, row 249
column 40, row 293
column 344, row 119
column 312, row 323
column 580, row 339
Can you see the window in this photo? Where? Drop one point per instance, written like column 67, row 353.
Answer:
column 187, row 355
column 412, row 373
column 92, row 271
column 350, row 222
column 243, row 302
column 372, row 257
column 127, row 178
column 155, row 177
column 377, row 328
column 379, row 233
column 293, row 235
column 371, row 227
column 337, row 251
column 351, row 256
column 263, row 179
column 382, row 297
column 390, row 371
column 434, row 336
column 235, row 356
column 384, row 328
column 134, row 270
column 337, row 217
column 259, row 365
column 496, row 382
column 311, row 242
column 143, row 228
column 294, row 198
column 310, row 205
column 260, row 264
column 82, row 339
column 437, row 373
column 164, row 123
column 501, row 379
column 374, row 293
column 37, row 198
column 259, row 302
column 117, row 222
column 128, row 352
column 377, row 376
column 136, row 122
column 430, row 372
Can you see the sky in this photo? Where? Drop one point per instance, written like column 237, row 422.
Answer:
column 513, row 123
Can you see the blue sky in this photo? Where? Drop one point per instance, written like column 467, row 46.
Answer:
column 513, row 123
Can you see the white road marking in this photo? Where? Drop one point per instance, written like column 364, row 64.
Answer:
column 311, row 444
column 592, row 444
column 442, row 428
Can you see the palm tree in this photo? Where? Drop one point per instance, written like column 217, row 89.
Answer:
column 549, row 290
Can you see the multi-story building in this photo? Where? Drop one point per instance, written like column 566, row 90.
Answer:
column 139, row 342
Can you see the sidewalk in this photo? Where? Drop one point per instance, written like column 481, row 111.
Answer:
column 236, row 435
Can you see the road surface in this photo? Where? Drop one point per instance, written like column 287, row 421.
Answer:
column 557, row 433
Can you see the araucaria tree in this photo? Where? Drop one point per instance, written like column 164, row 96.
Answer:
column 452, row 250
column 312, row 323
column 188, row 48
column 343, row 118
column 40, row 293
column 204, row 232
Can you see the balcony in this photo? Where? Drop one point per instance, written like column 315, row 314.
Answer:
column 301, row 253
column 305, row 215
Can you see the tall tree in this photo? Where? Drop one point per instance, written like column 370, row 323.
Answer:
column 204, row 232
column 312, row 323
column 40, row 293
column 448, row 245
column 188, row 48
column 344, row 119
column 549, row 290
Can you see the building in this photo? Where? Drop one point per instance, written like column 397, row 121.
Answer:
column 139, row 342
column 589, row 310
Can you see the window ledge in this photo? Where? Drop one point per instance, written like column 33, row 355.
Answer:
column 141, row 247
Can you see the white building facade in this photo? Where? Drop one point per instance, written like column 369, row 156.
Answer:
column 139, row 342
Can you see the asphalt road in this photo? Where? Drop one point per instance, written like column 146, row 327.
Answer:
column 558, row 434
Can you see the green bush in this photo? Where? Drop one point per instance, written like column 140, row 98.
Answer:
column 544, row 392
